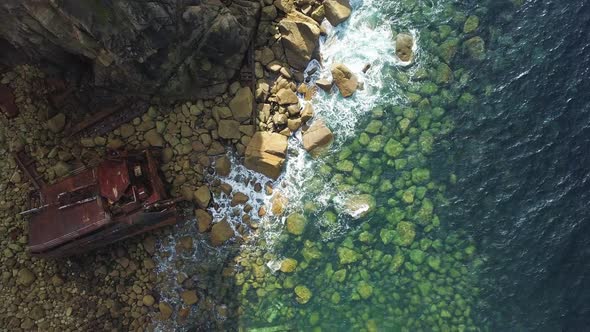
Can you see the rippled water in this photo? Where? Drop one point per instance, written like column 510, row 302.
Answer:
column 522, row 160
column 490, row 172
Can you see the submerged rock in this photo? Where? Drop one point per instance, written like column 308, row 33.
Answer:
column 475, row 48
column 266, row 153
column 345, row 80
column 405, row 234
column 288, row 265
column 364, row 289
column 296, row 223
column 403, row 47
column 471, row 24
column 337, row 11
column 347, row 255
column 302, row 294
column 358, row 206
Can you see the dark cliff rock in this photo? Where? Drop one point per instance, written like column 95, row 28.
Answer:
column 173, row 48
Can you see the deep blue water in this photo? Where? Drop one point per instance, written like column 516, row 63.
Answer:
column 522, row 158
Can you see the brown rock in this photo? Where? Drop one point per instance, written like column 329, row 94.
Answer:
column 202, row 197
column 221, row 232
column 189, row 297
column 239, row 199
column 403, row 47
column 165, row 310
column 316, row 137
column 154, row 138
column 345, row 80
column 300, row 38
column 204, row 220
column 286, row 6
column 325, row 84
column 25, row 277
column 287, row 97
column 127, row 130
column 149, row 244
column 337, row 11
column 186, row 242
column 266, row 153
column 57, row 123
column 229, row 129
column 242, row 103
column 307, row 112
column 223, row 166
column 148, row 300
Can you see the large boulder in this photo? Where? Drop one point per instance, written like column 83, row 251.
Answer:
column 266, row 153
column 345, row 80
column 403, row 47
column 317, row 137
column 300, row 37
column 242, row 103
column 229, row 129
column 133, row 46
column 221, row 232
column 337, row 11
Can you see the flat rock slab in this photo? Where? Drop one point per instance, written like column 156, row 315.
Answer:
column 318, row 136
column 266, row 153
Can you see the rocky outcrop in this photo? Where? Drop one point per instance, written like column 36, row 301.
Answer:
column 345, row 80
column 318, row 136
column 337, row 11
column 266, row 153
column 172, row 48
column 300, row 38
column 403, row 47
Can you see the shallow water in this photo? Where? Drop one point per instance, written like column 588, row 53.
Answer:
column 478, row 176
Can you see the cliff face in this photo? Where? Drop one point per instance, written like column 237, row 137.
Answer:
column 173, row 48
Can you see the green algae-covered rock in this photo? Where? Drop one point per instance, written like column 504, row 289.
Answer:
column 365, row 162
column 443, row 74
column 387, row 235
column 364, row 139
column 400, row 164
column 448, row 49
column 347, row 255
column 335, row 298
column 376, row 143
column 420, row 175
column 425, row 287
column 426, row 142
column 296, row 223
column 428, row 89
column 471, row 24
column 393, row 148
column 302, row 294
column 417, row 256
column 466, row 100
column 364, row 289
column 397, row 262
column 358, row 206
column 288, row 265
column 424, row 121
column 405, row 234
column 365, row 237
column 433, row 262
column 310, row 251
column 345, row 166
column 424, row 215
column 385, row 186
column 408, row 196
column 404, row 124
column 475, row 48
column 339, row 276
column 374, row 127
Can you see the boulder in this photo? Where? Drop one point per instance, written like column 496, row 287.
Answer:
column 202, row 197
column 204, row 220
column 189, row 297
column 324, row 84
column 57, row 123
column 403, row 47
column 287, row 97
column 266, row 153
column 229, row 129
column 221, row 232
column 300, row 38
column 296, row 223
column 166, row 310
column 316, row 137
column 357, row 206
column 345, row 80
column 154, row 138
column 239, row 199
column 223, row 166
column 242, row 103
column 25, row 277
column 337, row 11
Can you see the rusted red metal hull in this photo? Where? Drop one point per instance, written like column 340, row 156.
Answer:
column 123, row 196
